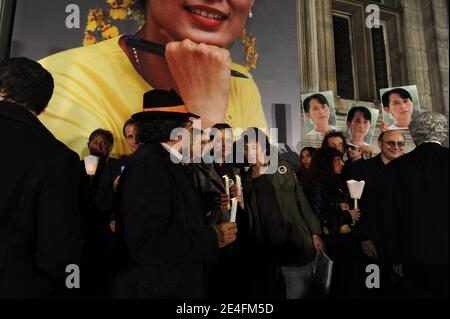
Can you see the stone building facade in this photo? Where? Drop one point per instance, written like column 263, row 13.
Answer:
column 339, row 52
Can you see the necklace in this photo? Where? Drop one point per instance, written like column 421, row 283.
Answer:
column 136, row 59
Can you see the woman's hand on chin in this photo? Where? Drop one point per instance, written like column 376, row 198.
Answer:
column 202, row 75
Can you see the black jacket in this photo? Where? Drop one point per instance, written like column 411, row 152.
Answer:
column 287, row 222
column 106, row 196
column 415, row 219
column 40, row 227
column 96, row 201
column 374, row 173
column 209, row 185
column 165, row 230
column 324, row 195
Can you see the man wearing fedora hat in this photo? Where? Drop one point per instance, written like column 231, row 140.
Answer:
column 165, row 231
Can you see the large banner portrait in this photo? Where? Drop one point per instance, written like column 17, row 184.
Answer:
column 398, row 106
column 101, row 70
column 319, row 113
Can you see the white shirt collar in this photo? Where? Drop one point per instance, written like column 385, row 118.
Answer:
column 435, row 142
column 351, row 144
column 173, row 152
column 395, row 127
column 314, row 132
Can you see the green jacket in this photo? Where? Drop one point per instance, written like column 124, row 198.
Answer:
column 297, row 214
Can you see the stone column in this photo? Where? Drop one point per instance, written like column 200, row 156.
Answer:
column 416, row 57
column 7, row 9
column 435, row 15
column 308, row 46
column 325, row 38
column 316, row 50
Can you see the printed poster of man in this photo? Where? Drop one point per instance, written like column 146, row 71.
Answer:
column 319, row 113
column 361, row 122
column 398, row 106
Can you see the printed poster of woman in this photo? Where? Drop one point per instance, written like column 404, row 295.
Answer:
column 319, row 113
column 399, row 104
column 361, row 122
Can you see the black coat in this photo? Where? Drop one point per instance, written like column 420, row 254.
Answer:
column 416, row 219
column 324, row 195
column 40, row 226
column 282, row 216
column 165, row 230
column 96, row 200
column 373, row 172
column 99, row 238
column 209, row 185
column 106, row 196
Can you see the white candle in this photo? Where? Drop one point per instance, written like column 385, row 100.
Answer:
column 227, row 184
column 356, row 207
column 234, row 203
column 239, row 184
column 227, row 188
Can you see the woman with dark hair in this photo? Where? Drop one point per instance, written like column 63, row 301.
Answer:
column 109, row 77
column 284, row 233
column 335, row 140
column 317, row 109
column 359, row 120
column 329, row 199
column 306, row 156
column 398, row 102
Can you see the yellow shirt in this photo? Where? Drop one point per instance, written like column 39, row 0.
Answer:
column 97, row 87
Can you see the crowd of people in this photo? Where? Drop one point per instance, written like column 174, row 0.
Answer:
column 150, row 224
column 147, row 226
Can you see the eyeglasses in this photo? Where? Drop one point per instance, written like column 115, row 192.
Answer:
column 394, row 143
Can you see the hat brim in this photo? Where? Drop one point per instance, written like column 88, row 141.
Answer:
column 142, row 116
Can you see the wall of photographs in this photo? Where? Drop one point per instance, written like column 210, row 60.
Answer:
column 362, row 120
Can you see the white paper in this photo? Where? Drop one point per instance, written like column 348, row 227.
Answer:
column 227, row 184
column 322, row 271
column 239, row 185
column 227, row 188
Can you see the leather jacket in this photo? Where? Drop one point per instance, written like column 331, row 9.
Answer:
column 325, row 195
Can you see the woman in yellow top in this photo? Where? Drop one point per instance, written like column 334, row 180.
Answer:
column 103, row 84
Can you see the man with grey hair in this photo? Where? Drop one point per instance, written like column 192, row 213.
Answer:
column 429, row 128
column 416, row 211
